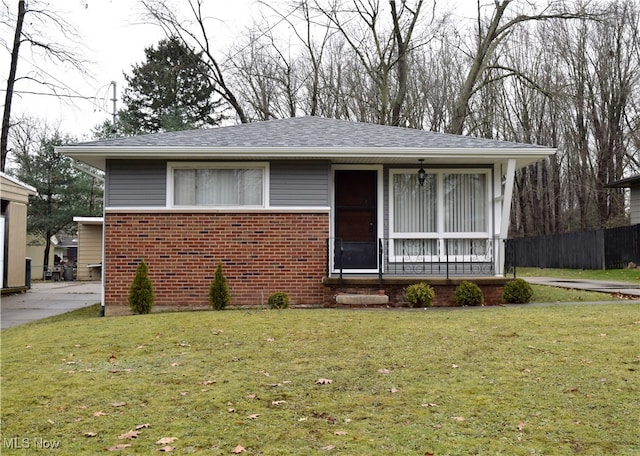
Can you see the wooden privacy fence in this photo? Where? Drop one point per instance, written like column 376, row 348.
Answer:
column 612, row 248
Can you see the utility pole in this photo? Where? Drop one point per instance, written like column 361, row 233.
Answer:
column 114, row 127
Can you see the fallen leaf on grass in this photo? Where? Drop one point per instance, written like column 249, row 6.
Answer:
column 166, row 449
column 231, row 410
column 51, row 422
column 521, row 425
column 276, row 403
column 118, row 404
column 239, row 449
column 208, row 382
column 323, row 381
column 340, row 433
column 142, row 426
column 454, row 366
column 328, row 447
column 99, row 413
column 129, row 435
column 118, row 447
column 166, row 440
column 394, row 390
column 459, row 419
column 384, row 371
column 251, row 396
column 253, row 416
column 430, row 404
column 90, row 434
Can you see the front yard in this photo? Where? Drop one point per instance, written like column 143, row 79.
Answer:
column 517, row 380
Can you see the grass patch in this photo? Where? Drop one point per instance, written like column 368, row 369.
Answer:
column 624, row 275
column 552, row 380
column 544, row 293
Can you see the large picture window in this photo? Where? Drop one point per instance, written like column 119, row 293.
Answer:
column 212, row 185
column 447, row 215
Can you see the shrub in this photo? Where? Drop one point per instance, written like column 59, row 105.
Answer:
column 219, row 295
column 141, row 294
column 517, row 291
column 278, row 300
column 420, row 295
column 468, row 294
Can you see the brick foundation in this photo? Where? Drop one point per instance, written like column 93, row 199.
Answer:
column 261, row 253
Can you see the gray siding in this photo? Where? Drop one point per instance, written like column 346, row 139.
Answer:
column 135, row 183
column 299, row 183
column 635, row 205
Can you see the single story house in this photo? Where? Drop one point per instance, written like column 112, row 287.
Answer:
column 89, row 259
column 633, row 183
column 14, row 201
column 311, row 206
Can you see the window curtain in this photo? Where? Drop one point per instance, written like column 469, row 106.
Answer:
column 464, row 203
column 415, row 211
column 218, row 187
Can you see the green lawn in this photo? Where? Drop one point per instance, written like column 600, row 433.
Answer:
column 625, row 275
column 488, row 381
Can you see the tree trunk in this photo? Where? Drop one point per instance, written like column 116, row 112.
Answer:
column 6, row 116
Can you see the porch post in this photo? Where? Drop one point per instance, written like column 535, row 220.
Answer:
column 505, row 215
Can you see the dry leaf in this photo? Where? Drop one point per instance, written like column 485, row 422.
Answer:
column 99, row 413
column 430, row 404
column 428, row 453
column 239, row 449
column 394, row 390
column 118, row 404
column 129, row 435
column 454, row 366
column 51, row 422
column 142, row 426
column 231, row 410
column 270, row 339
column 340, row 433
column 521, row 425
column 251, row 396
column 328, row 447
column 118, row 447
column 253, row 416
column 166, row 440
column 90, row 434
column 166, row 449
column 459, row 419
column 323, row 381
column 208, row 382
column 276, row 403
column 174, row 364
column 384, row 371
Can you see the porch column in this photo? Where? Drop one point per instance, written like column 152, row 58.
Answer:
column 505, row 215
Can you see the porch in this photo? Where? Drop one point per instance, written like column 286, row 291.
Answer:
column 442, row 263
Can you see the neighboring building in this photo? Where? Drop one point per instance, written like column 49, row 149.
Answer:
column 35, row 251
column 14, row 200
column 310, row 206
column 634, row 201
column 89, row 261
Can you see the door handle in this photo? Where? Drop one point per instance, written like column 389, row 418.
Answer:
column 371, row 227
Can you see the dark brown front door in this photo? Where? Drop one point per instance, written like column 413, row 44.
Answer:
column 356, row 219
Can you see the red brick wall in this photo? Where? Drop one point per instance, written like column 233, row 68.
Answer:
column 261, row 253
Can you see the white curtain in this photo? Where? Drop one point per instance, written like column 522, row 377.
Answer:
column 218, row 187
column 464, row 203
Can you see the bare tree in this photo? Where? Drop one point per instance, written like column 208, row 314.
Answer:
column 35, row 23
column 194, row 34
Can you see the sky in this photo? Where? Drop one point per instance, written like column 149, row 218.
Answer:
column 113, row 40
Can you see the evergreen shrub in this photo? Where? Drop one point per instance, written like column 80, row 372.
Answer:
column 420, row 295
column 517, row 291
column 219, row 295
column 141, row 295
column 468, row 294
column 278, row 300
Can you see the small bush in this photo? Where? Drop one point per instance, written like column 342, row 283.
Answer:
column 420, row 295
column 278, row 300
column 219, row 295
column 468, row 294
column 141, row 295
column 517, row 291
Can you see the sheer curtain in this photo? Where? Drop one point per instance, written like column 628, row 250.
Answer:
column 218, row 187
column 415, row 211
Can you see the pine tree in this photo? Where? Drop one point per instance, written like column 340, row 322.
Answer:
column 171, row 91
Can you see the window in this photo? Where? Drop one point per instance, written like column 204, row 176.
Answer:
column 214, row 185
column 448, row 215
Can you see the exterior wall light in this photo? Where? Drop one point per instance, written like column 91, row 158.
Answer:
column 422, row 174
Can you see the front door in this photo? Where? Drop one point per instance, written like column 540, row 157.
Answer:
column 356, row 211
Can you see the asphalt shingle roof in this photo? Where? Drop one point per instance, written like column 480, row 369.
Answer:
column 301, row 132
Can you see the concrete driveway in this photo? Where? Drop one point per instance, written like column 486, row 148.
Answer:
column 46, row 299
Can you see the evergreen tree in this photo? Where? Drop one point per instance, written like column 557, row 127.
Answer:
column 171, row 91
column 141, row 294
column 62, row 191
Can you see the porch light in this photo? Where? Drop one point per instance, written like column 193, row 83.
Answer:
column 422, row 174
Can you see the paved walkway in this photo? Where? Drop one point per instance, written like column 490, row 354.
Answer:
column 46, row 299
column 605, row 286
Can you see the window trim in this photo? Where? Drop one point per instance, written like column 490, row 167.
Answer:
column 172, row 166
column 440, row 236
